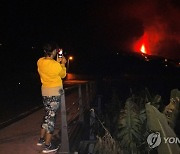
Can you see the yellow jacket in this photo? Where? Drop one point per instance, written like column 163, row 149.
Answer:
column 51, row 72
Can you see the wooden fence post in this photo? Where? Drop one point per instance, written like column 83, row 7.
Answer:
column 87, row 96
column 91, row 133
column 99, row 103
column 91, row 91
column 92, row 123
column 81, row 115
column 64, row 149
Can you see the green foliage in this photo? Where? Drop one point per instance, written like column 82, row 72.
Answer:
column 153, row 100
column 129, row 127
column 113, row 111
column 107, row 145
column 172, row 109
column 156, row 121
column 115, row 104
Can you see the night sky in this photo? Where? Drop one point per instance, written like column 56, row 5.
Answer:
column 89, row 29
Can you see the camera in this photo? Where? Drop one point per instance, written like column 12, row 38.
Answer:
column 60, row 53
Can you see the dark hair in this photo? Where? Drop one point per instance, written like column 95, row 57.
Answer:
column 49, row 47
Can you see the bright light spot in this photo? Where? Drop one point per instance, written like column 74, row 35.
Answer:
column 70, row 58
column 117, row 53
column 166, row 65
column 165, row 59
column 19, row 83
column 143, row 49
column 0, row 44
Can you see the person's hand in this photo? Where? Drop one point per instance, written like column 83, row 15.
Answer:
column 61, row 60
column 58, row 59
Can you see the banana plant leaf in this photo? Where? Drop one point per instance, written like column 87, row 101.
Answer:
column 157, row 121
column 129, row 127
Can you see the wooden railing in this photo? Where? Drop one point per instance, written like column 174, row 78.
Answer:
column 75, row 109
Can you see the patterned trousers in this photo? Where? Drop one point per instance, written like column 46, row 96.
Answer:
column 51, row 105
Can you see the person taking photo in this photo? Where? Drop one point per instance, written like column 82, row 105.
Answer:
column 51, row 72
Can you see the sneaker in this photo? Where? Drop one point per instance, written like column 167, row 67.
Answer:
column 41, row 142
column 49, row 148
